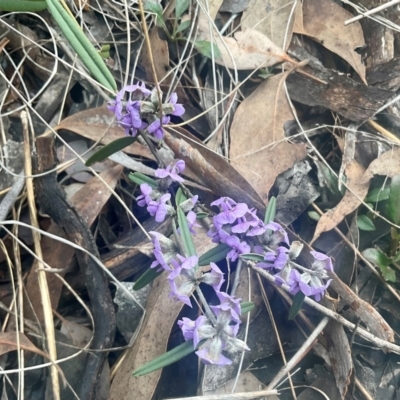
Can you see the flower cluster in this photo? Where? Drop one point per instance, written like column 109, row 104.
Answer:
column 239, row 227
column 216, row 331
column 143, row 111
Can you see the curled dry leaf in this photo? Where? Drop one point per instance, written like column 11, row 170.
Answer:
column 273, row 20
column 323, row 20
column 258, row 147
column 354, row 196
column 387, row 164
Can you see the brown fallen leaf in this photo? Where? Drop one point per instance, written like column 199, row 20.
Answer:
column 323, row 20
column 96, row 123
column 355, row 194
column 88, row 202
column 271, row 20
column 10, row 341
column 256, row 127
column 214, row 171
column 387, row 164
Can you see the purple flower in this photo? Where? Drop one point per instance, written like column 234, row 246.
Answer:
column 275, row 235
column 215, row 278
column 292, row 279
column 228, row 304
column 159, row 208
column 156, row 127
column 164, row 251
column 230, row 216
column 178, row 108
column 322, row 262
column 316, row 291
column 172, row 171
column 224, row 203
column 237, row 247
column 249, row 221
column 187, row 326
column 191, row 219
column 144, row 199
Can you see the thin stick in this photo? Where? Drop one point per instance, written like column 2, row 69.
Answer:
column 372, row 11
column 232, row 396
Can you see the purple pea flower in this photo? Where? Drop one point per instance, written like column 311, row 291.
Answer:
column 215, row 278
column 156, row 127
column 228, row 304
column 230, row 216
column 275, row 235
column 158, row 208
column 224, row 203
column 164, row 251
column 191, row 219
column 172, row 171
column 178, row 108
column 290, row 277
column 249, row 223
column 144, row 199
column 187, row 326
column 237, row 247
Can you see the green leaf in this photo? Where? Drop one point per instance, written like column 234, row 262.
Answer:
column 246, row 307
column 81, row 44
column 110, row 149
column 252, row 257
column 365, row 224
column 377, row 194
column 394, row 200
column 314, row 215
column 185, row 233
column 140, row 178
column 22, row 5
column 184, row 25
column 147, row 277
column 181, row 7
column 201, row 215
column 298, row 301
column 270, row 211
column 180, row 197
column 205, row 47
column 215, row 254
column 381, row 260
column 155, row 8
column 396, row 257
column 167, row 358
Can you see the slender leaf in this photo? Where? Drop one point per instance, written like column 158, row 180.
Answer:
column 270, row 211
column 185, row 233
column 22, row 5
column 365, row 224
column 205, row 47
column 298, row 301
column 147, row 277
column 201, row 215
column 167, row 358
column 252, row 257
column 381, row 260
column 81, row 44
column 394, row 200
column 140, row 178
column 110, row 149
column 314, row 215
column 246, row 307
column 378, row 194
column 181, row 7
column 180, row 197
column 215, row 254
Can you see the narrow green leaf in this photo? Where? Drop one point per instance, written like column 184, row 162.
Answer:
column 181, row 7
column 314, row 215
column 394, row 200
column 246, row 307
column 270, row 211
column 147, row 277
column 201, row 215
column 110, row 149
column 298, row 301
column 205, row 47
column 382, row 261
column 22, row 5
column 81, row 44
column 140, row 178
column 180, row 197
column 185, row 233
column 167, row 358
column 215, row 254
column 252, row 257
column 184, row 25
column 377, row 194
column 365, row 224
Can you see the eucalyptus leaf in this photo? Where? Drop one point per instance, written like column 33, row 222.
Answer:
column 215, row 254
column 297, row 303
column 110, row 149
column 139, row 178
column 270, row 211
column 147, row 277
column 185, row 234
column 394, row 200
column 364, row 223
